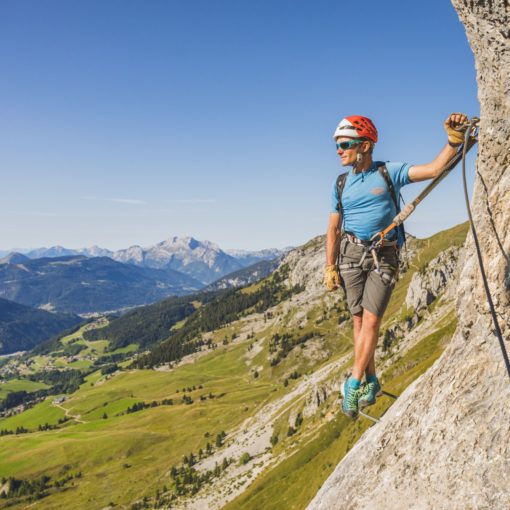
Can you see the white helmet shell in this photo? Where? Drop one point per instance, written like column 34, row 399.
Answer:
column 345, row 128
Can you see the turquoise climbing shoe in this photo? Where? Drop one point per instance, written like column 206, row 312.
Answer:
column 351, row 392
column 369, row 392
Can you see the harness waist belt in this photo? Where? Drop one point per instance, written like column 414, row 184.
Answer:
column 354, row 240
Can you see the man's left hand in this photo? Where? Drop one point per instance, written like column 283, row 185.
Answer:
column 454, row 128
column 332, row 277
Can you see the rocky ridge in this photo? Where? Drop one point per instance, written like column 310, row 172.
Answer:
column 245, row 276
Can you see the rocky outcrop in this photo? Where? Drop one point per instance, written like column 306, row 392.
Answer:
column 426, row 285
column 307, row 265
column 248, row 258
column 319, row 394
column 444, row 443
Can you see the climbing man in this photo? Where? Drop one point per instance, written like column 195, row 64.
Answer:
column 365, row 201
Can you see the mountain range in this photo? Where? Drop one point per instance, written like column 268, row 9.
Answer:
column 82, row 285
column 202, row 260
column 99, row 280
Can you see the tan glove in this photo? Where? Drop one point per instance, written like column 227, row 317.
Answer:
column 331, row 277
column 452, row 125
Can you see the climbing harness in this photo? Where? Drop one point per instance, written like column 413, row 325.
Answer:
column 473, row 126
column 367, row 250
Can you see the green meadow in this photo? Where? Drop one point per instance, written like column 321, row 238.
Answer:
column 148, row 441
column 122, row 458
column 41, row 413
column 19, row 385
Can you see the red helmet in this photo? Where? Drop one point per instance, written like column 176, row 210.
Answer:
column 356, row 126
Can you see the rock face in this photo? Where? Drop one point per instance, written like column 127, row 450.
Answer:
column 425, row 287
column 444, row 443
column 308, row 270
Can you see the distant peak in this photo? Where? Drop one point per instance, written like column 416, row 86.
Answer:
column 187, row 242
column 14, row 258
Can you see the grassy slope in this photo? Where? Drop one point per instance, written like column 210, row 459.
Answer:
column 151, row 440
column 44, row 412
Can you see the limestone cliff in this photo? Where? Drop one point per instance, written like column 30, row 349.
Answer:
column 445, row 442
column 427, row 285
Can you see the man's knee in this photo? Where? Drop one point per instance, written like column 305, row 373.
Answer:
column 371, row 320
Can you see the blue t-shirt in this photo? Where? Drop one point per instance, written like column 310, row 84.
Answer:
column 366, row 202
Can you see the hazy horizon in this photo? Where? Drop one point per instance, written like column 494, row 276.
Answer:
column 27, row 250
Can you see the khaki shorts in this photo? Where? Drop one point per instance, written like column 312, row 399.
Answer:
column 366, row 288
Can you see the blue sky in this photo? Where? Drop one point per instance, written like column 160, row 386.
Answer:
column 128, row 122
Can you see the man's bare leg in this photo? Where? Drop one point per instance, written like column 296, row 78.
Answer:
column 365, row 342
column 357, row 320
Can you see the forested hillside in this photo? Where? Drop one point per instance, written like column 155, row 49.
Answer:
column 22, row 327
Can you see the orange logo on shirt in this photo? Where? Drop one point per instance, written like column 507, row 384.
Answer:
column 377, row 191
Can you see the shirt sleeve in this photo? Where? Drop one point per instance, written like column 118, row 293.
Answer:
column 399, row 173
column 334, row 199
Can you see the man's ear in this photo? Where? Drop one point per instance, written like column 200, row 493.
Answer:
column 365, row 147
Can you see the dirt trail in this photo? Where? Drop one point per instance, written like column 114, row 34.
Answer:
column 68, row 414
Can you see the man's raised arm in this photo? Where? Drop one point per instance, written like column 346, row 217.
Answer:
column 455, row 138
